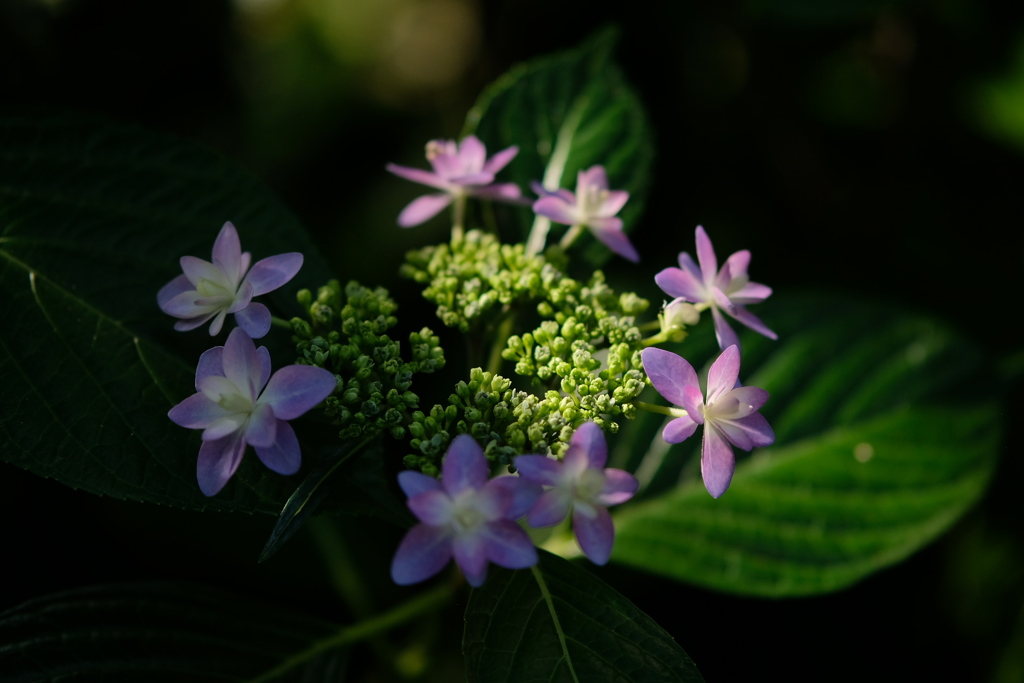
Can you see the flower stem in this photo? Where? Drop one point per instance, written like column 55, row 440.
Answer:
column 500, row 342
column 663, row 410
column 421, row 604
column 458, row 217
column 649, row 326
column 659, row 338
column 280, row 322
column 570, row 236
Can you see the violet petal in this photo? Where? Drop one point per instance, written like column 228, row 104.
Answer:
column 423, row 209
column 218, row 460
column 679, row 429
column 432, row 507
column 423, row 552
column 196, row 412
column 557, row 209
column 669, row 373
column 507, row 545
column 501, row 159
column 274, row 271
column 295, row 389
column 464, row 465
column 717, row 461
column 723, row 374
column 619, row 486
column 539, row 469
column 595, row 535
column 172, row 289
column 283, row 456
column 255, row 319
column 418, row 175
column 414, row 483
column 551, row 508
column 615, row 239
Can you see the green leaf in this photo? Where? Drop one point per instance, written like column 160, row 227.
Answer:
column 361, row 490
column 558, row 623
column 160, row 632
column 568, row 112
column 885, row 436
column 93, row 219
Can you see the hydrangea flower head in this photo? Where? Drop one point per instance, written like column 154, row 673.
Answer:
column 227, row 285
column 240, row 404
column 460, row 170
column 728, row 289
column 593, row 206
column 465, row 516
column 729, row 414
column 580, row 483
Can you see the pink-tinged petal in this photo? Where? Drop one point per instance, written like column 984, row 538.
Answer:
column 274, row 271
column 613, row 203
column 196, row 412
column 184, row 305
column 723, row 374
column 681, row 284
column 753, row 322
column 693, row 402
column 470, row 552
column 262, row 428
column 432, row 507
column 619, row 486
column 502, row 192
column 557, row 209
column 265, row 366
column 751, row 293
column 722, row 301
column 595, row 534
column 297, row 389
column 687, row 264
column 415, row 483
column 197, row 269
column 473, row 179
column 706, row 257
column 501, row 159
column 227, row 250
column 242, row 364
column 550, row 509
column 254, row 319
column 178, row 285
column 717, row 461
column 472, row 154
column 614, row 238
column 748, row 432
column 520, row 492
column 464, row 466
column 423, row 209
column 418, row 175
column 507, row 545
column 192, row 323
column 739, row 402
column 218, row 323
column 735, row 268
column 679, row 429
column 669, row 373
column 221, row 428
column 541, row 191
column 242, row 298
column 594, row 176
column 246, row 260
column 590, row 440
column 282, row 456
column 211, row 364
column 539, row 469
column 218, row 460
column 422, row 553
column 723, row 332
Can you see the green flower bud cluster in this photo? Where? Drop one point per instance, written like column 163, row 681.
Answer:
column 476, row 275
column 346, row 334
column 589, row 348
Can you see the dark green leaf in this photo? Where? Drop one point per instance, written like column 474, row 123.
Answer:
column 93, row 219
column 157, row 632
column 558, row 623
column 885, row 436
column 357, row 487
column 568, row 112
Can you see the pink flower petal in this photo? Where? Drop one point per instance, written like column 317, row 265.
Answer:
column 679, row 429
column 706, row 256
column 501, row 159
column 503, row 192
column 418, row 175
column 723, row 332
column 595, row 176
column 423, row 209
column 717, row 461
column 619, row 486
column 751, row 293
column 681, row 284
column 614, row 238
column 693, row 402
column 423, row 552
column 669, row 373
column 739, row 402
column 753, row 322
column 613, row 203
column 557, row 209
column 723, row 374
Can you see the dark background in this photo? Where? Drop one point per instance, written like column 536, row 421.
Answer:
column 874, row 148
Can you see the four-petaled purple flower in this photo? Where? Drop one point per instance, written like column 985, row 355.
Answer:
column 728, row 289
column 593, row 206
column 212, row 290
column 464, row 516
column 239, row 403
column 460, row 170
column 582, row 484
column 729, row 414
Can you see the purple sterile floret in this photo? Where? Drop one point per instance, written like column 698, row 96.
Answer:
column 593, row 206
column 465, row 516
column 728, row 289
column 206, row 290
column 580, row 483
column 729, row 414
column 239, row 403
column 460, row 170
